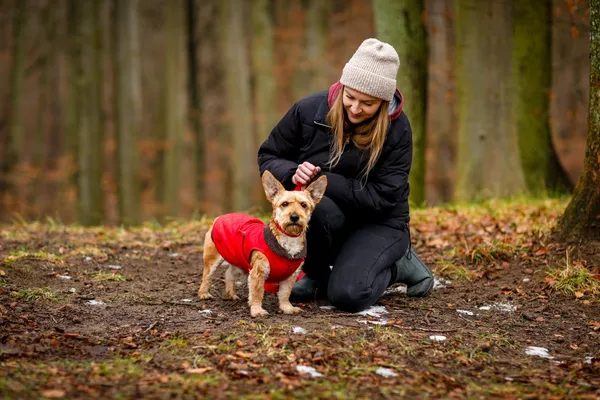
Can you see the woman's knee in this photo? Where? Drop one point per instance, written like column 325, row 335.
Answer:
column 349, row 298
column 327, row 216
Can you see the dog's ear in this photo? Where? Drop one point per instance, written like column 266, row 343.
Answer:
column 271, row 185
column 316, row 190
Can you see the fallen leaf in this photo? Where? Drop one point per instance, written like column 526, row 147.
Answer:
column 2, row 273
column 579, row 294
column 198, row 370
column 53, row 393
column 244, row 354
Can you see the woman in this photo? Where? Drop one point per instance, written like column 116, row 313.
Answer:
column 357, row 135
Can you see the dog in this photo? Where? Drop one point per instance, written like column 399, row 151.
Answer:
column 270, row 253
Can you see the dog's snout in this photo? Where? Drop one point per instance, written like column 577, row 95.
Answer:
column 294, row 217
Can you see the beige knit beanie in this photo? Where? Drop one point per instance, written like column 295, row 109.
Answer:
column 372, row 70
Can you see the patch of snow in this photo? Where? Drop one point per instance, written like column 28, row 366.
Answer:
column 205, row 312
column 88, row 259
column 386, row 372
column 439, row 283
column 465, row 312
column 398, row 289
column 299, row 330
column 73, row 290
column 526, row 279
column 538, row 351
column 174, row 255
column 95, row 302
column 114, row 266
column 374, row 311
column 437, row 338
column 504, row 307
column 588, row 360
column 327, row 307
column 303, row 369
column 243, row 372
column 66, row 277
column 364, row 321
column 508, row 378
column 186, row 300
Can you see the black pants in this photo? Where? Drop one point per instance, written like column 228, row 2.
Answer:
column 362, row 256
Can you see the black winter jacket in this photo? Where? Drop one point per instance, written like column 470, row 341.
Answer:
column 303, row 135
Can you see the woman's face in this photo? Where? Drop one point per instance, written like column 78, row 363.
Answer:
column 359, row 106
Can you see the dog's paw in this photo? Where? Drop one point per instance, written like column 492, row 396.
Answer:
column 257, row 312
column 205, row 296
column 232, row 296
column 290, row 309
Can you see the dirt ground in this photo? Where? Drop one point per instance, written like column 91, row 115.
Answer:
column 113, row 313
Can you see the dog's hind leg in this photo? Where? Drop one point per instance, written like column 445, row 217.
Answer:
column 256, row 283
column 212, row 261
column 230, row 275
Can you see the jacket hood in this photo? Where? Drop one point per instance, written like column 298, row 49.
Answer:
column 395, row 105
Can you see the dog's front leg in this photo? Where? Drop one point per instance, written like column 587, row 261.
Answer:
column 285, row 288
column 256, row 283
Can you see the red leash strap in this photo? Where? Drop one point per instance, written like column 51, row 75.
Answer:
column 298, row 188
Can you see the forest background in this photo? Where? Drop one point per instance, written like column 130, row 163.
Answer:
column 118, row 112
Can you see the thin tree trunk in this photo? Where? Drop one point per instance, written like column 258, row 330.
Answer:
column 88, row 125
column 441, row 103
column 195, row 99
column 128, row 110
column 400, row 23
column 13, row 145
column 175, row 105
column 533, row 79
column 310, row 71
column 581, row 220
column 489, row 164
column 265, row 93
column 243, row 159
column 214, row 109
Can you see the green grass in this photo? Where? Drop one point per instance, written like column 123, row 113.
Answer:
column 19, row 255
column 39, row 294
column 109, row 277
column 573, row 279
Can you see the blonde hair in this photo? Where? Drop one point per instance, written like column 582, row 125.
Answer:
column 368, row 136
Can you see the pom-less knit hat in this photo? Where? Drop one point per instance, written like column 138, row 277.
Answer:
column 372, row 69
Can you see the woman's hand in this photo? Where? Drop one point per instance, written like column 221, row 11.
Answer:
column 305, row 173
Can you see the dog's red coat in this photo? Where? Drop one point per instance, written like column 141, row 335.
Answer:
column 236, row 235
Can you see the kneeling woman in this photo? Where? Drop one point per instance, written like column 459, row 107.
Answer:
column 357, row 135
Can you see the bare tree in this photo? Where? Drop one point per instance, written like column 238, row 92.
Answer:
column 489, row 164
column 400, row 23
column 581, row 219
column 128, row 109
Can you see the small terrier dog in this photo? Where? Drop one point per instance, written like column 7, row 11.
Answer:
column 270, row 254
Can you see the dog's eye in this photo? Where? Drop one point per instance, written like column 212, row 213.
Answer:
column 304, row 205
column 285, row 204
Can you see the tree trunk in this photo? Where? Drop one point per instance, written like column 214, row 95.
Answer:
column 214, row 108
column 533, row 79
column 243, row 159
column 489, row 164
column 175, row 105
column 581, row 219
column 13, row 144
column 195, row 99
column 441, row 103
column 400, row 23
column 310, row 72
column 128, row 110
column 88, row 125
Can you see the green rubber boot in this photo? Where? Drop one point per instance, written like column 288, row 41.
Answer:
column 412, row 272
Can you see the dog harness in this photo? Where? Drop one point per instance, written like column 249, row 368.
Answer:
column 237, row 235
